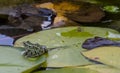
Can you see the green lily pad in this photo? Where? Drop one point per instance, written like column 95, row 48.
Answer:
column 107, row 55
column 97, row 68
column 103, row 68
column 11, row 61
column 66, row 36
column 113, row 36
column 66, row 57
column 69, row 41
column 69, row 70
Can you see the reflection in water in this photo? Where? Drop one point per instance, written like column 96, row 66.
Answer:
column 8, row 34
column 6, row 40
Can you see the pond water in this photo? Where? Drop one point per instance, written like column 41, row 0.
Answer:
column 6, row 40
column 9, row 35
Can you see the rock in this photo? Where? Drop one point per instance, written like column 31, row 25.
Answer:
column 115, row 25
column 77, row 11
column 66, row 12
column 60, row 9
column 31, row 18
column 48, row 5
column 87, row 13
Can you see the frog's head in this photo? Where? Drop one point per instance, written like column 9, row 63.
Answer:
column 28, row 44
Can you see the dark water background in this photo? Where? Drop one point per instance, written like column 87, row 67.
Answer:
column 8, row 35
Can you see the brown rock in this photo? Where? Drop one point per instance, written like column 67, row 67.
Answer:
column 31, row 18
column 88, row 13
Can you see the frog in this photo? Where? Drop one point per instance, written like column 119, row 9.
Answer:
column 33, row 50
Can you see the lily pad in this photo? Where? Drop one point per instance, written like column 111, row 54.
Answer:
column 99, row 68
column 69, row 56
column 103, row 68
column 107, row 55
column 11, row 61
column 67, row 42
column 114, row 36
column 64, row 36
column 69, row 70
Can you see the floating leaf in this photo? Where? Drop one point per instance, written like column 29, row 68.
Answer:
column 69, row 70
column 97, row 68
column 11, row 61
column 66, row 57
column 76, row 33
column 114, row 36
column 102, row 68
column 107, row 55
column 62, row 36
column 68, row 53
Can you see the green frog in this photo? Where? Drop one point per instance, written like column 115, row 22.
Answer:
column 33, row 50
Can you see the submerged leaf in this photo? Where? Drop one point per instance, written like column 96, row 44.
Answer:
column 92, row 43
